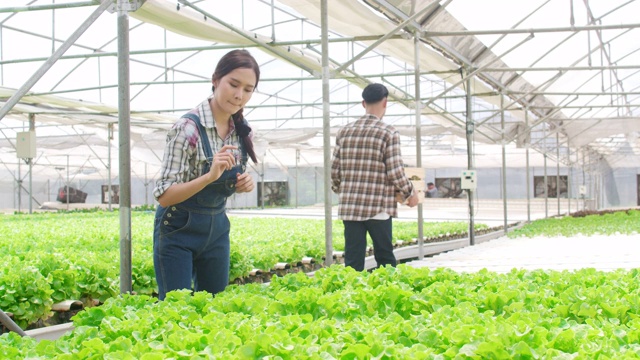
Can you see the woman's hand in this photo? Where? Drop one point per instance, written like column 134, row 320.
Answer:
column 222, row 160
column 244, row 183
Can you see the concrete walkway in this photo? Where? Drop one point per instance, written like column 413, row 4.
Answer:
column 554, row 253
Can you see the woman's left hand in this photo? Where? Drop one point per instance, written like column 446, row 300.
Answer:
column 244, row 183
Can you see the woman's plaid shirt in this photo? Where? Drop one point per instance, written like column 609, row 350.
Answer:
column 367, row 169
column 184, row 157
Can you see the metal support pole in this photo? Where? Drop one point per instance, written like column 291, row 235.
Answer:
column 146, row 185
column 546, row 184
column 326, row 135
column 504, row 166
column 558, row 169
column 471, row 166
column 32, row 127
column 9, row 324
column 569, row 190
column 528, row 170
column 124, row 138
column 297, row 177
column 262, row 186
column 418, row 109
column 109, row 176
column 66, row 184
column 546, row 188
column 586, row 179
column 19, row 185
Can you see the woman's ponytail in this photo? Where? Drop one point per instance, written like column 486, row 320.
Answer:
column 243, row 130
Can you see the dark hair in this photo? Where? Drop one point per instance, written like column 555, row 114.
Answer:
column 239, row 59
column 429, row 183
column 374, row 93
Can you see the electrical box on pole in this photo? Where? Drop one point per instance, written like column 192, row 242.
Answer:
column 26, row 145
column 468, row 180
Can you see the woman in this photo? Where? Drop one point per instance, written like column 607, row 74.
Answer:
column 204, row 161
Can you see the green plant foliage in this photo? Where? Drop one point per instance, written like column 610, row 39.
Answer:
column 77, row 253
column 611, row 223
column 390, row 313
column 24, row 292
column 289, row 240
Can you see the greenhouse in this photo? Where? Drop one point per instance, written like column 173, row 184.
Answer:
column 524, row 115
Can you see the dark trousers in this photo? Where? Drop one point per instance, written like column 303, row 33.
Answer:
column 355, row 238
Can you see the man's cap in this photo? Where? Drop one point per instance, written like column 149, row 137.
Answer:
column 374, row 93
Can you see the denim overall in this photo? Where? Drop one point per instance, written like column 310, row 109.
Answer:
column 191, row 239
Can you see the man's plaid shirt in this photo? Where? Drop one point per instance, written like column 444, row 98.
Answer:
column 367, row 169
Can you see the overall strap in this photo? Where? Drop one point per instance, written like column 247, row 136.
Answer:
column 204, row 139
column 206, row 145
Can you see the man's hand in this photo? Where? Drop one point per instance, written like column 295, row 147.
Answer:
column 413, row 200
column 410, row 202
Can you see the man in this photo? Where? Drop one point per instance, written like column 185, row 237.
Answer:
column 368, row 175
column 432, row 191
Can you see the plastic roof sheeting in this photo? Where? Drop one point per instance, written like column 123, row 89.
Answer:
column 564, row 89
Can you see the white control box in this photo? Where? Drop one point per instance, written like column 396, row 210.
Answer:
column 468, row 180
column 26, row 145
column 583, row 190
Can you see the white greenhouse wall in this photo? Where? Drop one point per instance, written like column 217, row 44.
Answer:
column 305, row 187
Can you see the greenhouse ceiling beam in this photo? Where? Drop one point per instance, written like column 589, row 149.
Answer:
column 461, row 124
column 16, row 9
column 530, row 31
column 420, row 26
column 360, row 38
column 585, row 93
column 192, row 49
column 94, row 53
column 15, row 98
column 554, row 110
column 203, row 81
column 135, row 52
column 356, row 76
column 384, row 38
column 90, row 147
column 474, row 72
column 518, row 100
column 516, row 31
column 552, row 69
column 541, row 120
column 443, row 46
column 561, row 73
column 607, row 53
column 608, row 106
column 400, row 16
column 564, row 68
column 278, row 52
